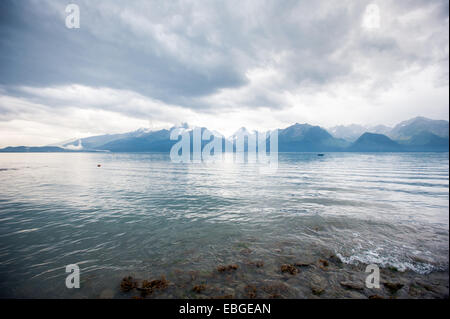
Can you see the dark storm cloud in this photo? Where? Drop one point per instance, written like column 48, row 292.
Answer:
column 181, row 52
column 36, row 49
column 111, row 50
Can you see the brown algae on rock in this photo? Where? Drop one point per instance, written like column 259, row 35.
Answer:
column 289, row 269
column 299, row 278
column 199, row 288
column 128, row 284
column 147, row 287
column 250, row 291
column 227, row 268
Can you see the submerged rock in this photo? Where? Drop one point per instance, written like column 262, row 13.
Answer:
column 393, row 287
column 323, row 264
column 317, row 280
column 301, row 264
column 335, row 259
column 317, row 291
column 351, row 285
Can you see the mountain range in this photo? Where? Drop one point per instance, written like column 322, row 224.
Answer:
column 415, row 135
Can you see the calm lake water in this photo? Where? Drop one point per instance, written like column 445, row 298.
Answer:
column 141, row 214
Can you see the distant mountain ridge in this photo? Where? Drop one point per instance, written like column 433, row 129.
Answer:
column 353, row 131
column 32, row 149
column 308, row 138
column 418, row 134
column 371, row 142
column 415, row 135
column 407, row 129
column 156, row 141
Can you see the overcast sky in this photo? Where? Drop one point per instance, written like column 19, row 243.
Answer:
column 220, row 64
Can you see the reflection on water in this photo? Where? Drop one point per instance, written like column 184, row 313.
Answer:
column 142, row 214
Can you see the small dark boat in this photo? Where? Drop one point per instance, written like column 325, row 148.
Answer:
column 320, row 154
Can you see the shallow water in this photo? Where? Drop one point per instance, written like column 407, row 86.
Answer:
column 141, row 214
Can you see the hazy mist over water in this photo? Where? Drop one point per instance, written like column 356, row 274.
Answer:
column 142, row 214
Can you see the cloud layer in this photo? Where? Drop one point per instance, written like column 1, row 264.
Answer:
column 222, row 64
